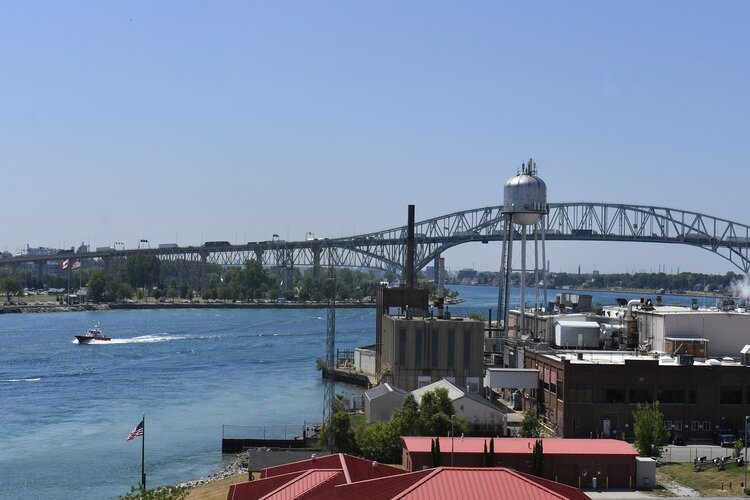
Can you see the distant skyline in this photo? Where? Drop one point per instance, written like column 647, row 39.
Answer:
column 187, row 122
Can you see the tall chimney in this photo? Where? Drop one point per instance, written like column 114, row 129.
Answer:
column 410, row 249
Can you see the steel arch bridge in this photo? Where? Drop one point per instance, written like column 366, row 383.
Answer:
column 578, row 221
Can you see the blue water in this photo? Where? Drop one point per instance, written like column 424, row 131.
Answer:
column 66, row 409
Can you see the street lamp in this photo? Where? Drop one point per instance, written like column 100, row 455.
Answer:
column 453, row 421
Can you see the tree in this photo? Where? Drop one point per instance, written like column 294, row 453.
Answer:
column 341, row 425
column 537, row 459
column 530, row 425
column 648, row 426
column 492, row 452
column 10, row 285
column 143, row 270
column 485, row 456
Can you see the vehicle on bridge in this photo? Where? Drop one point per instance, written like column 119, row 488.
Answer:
column 215, row 243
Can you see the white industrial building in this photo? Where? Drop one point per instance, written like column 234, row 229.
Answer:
column 724, row 333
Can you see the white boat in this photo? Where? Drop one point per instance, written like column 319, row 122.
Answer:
column 94, row 333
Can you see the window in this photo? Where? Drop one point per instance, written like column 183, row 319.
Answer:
column 579, row 393
column 677, row 425
column 670, row 395
column 695, row 425
column 612, row 394
column 435, row 348
column 402, row 346
column 467, row 348
column 706, row 425
column 730, row 395
column 668, row 425
column 640, row 395
column 451, row 348
column 576, row 424
column 418, row 345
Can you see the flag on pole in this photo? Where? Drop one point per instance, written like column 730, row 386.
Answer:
column 76, row 265
column 138, row 431
column 64, row 264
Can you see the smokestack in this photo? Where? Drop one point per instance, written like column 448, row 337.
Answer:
column 441, row 286
column 410, row 249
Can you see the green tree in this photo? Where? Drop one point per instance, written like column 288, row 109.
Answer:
column 160, row 493
column 492, row 452
column 379, row 441
column 143, row 270
column 96, row 286
column 341, row 425
column 537, row 459
column 648, row 426
column 10, row 285
column 530, row 425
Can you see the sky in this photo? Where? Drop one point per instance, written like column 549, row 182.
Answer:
column 193, row 121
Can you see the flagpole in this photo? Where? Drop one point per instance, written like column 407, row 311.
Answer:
column 143, row 455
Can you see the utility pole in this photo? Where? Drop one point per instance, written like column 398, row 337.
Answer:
column 330, row 385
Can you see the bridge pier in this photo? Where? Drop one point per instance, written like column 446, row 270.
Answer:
column 40, row 273
column 259, row 255
column 204, row 264
column 317, row 252
column 107, row 261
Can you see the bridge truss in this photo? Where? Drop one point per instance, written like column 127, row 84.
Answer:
column 579, row 221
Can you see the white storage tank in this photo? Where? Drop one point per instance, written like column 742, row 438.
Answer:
column 581, row 334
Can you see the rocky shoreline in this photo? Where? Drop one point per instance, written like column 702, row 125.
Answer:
column 236, row 467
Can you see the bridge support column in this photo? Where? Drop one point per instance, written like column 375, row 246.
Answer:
column 259, row 255
column 204, row 264
column 436, row 271
column 40, row 273
column 316, row 262
column 107, row 261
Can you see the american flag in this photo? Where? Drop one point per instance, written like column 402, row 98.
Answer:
column 138, row 431
column 76, row 265
column 64, row 264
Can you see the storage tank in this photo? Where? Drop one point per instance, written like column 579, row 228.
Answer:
column 525, row 196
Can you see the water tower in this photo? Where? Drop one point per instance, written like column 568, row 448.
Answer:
column 524, row 208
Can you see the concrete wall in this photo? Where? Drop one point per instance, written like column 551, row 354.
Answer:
column 418, row 359
column 726, row 331
column 364, row 361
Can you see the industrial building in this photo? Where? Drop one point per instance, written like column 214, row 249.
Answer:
column 417, row 351
column 593, row 393
column 583, row 463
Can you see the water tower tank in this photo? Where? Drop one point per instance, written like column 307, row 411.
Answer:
column 525, row 196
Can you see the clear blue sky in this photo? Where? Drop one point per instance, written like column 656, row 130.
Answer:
column 194, row 121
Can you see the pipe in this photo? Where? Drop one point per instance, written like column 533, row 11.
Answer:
column 631, row 303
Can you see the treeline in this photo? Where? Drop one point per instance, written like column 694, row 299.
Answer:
column 670, row 282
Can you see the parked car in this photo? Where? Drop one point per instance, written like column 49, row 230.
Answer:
column 727, row 440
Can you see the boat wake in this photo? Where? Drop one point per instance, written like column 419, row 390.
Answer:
column 37, row 379
column 143, row 339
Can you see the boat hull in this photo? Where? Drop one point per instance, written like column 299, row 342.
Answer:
column 85, row 339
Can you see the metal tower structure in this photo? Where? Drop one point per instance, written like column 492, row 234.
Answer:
column 330, row 384
column 524, row 208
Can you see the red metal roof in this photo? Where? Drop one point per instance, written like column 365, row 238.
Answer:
column 459, row 483
column 552, row 446
column 306, row 484
column 315, row 477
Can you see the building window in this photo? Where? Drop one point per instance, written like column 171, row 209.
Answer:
column 677, row 425
column 730, row 395
column 706, row 425
column 467, row 348
column 670, row 396
column 451, row 348
column 576, row 424
column 613, row 394
column 579, row 393
column 640, row 395
column 435, row 349
column 402, row 347
column 668, row 425
column 695, row 425
column 418, row 345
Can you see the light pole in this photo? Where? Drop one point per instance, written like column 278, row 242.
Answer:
column 453, row 421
